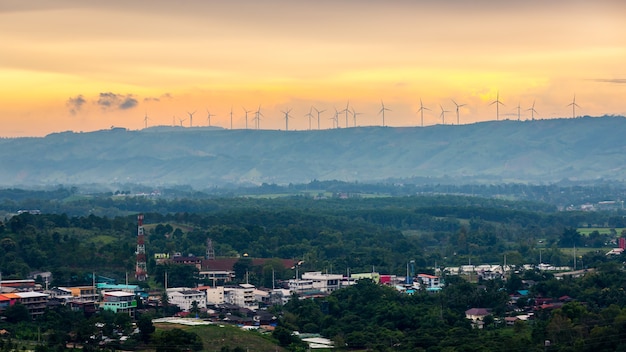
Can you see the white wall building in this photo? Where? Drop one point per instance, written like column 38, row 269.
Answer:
column 241, row 295
column 324, row 282
column 184, row 297
column 214, row 295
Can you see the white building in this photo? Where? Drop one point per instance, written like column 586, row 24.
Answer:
column 241, row 296
column 184, row 297
column 214, row 295
column 429, row 282
column 326, row 283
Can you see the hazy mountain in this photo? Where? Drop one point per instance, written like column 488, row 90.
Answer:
column 528, row 151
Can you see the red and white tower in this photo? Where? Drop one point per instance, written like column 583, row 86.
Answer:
column 140, row 270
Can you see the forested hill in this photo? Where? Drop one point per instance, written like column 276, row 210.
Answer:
column 507, row 151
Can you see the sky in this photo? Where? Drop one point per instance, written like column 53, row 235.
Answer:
column 86, row 65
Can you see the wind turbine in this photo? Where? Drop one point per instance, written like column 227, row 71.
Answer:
column 355, row 114
column 145, row 120
column 518, row 112
column 257, row 117
column 532, row 111
column 498, row 103
column 457, row 111
column 347, row 111
column 286, row 119
column 191, row 118
column 231, row 117
column 318, row 116
column 443, row 115
column 421, row 111
column 335, row 119
column 246, row 111
column 209, row 116
column 310, row 116
column 181, row 121
column 382, row 111
column 574, row 105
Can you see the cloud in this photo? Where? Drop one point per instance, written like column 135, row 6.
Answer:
column 111, row 100
column 612, row 80
column 76, row 103
column 166, row 96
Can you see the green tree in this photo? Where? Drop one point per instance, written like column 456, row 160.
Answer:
column 17, row 313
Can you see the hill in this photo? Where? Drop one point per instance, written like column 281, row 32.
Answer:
column 498, row 151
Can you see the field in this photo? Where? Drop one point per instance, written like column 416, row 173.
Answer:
column 586, row 231
column 214, row 337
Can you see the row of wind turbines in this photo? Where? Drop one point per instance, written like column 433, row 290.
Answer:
column 257, row 115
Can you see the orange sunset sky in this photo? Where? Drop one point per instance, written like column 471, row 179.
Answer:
column 86, row 65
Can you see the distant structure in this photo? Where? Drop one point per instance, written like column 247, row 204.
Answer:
column 210, row 251
column 382, row 111
column 573, row 105
column 421, row 111
column 458, row 119
column 191, row 118
column 140, row 269
column 498, row 103
column 443, row 115
column 532, row 111
column 318, row 116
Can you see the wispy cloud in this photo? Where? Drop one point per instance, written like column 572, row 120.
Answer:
column 612, row 80
column 111, row 100
column 165, row 96
column 75, row 103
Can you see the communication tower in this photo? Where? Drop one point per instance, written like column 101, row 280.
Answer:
column 210, row 252
column 140, row 270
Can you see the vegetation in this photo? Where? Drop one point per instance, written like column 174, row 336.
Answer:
column 334, row 234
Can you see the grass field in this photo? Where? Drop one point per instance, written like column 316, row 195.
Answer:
column 214, row 337
column 585, row 231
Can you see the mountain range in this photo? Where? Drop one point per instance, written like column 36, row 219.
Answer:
column 539, row 151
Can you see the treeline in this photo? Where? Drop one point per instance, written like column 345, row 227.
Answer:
column 331, row 235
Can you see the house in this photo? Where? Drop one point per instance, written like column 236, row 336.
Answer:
column 35, row 302
column 119, row 302
column 325, row 283
column 184, row 298
column 477, row 315
column 429, row 282
column 214, row 295
column 241, row 296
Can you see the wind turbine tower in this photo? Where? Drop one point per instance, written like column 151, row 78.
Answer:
column 347, row 111
column 310, row 116
column 382, row 111
column 145, row 121
column 181, row 121
column 140, row 267
column 231, row 117
column 458, row 120
column 354, row 115
column 532, row 111
column 209, row 116
column 257, row 117
column 573, row 105
column 318, row 116
column 246, row 111
column 498, row 103
column 191, row 118
column 421, row 110
column 443, row 115
column 286, row 119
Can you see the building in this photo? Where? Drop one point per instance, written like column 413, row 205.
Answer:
column 184, row 297
column 429, row 282
column 119, row 302
column 325, row 283
column 477, row 315
column 217, row 276
column 214, row 295
column 35, row 302
column 241, row 296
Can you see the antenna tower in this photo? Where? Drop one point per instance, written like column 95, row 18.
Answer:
column 140, row 270
column 210, row 251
